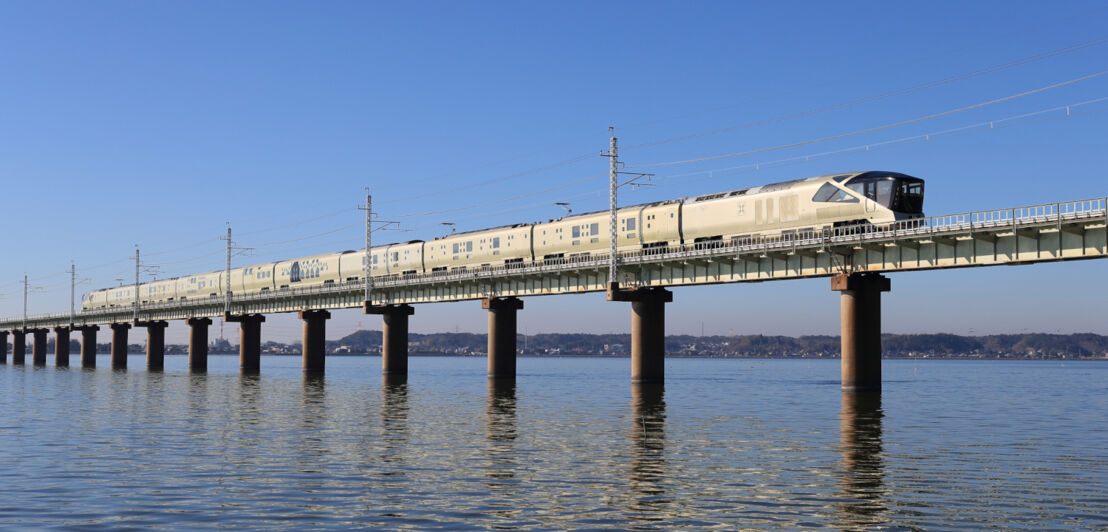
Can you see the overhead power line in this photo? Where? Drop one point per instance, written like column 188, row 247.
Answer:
column 877, row 128
column 949, row 51
column 882, row 96
column 998, row 123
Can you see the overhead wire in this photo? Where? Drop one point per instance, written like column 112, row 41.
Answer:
column 808, row 88
column 1011, row 64
column 882, row 96
column 502, row 179
column 997, row 123
column 994, row 68
column 876, row 128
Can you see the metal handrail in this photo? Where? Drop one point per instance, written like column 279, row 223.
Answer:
column 749, row 244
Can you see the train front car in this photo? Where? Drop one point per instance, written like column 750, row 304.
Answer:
column 900, row 194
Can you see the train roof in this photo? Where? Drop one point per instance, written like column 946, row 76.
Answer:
column 463, row 233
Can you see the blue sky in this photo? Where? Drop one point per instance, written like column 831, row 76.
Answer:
column 155, row 123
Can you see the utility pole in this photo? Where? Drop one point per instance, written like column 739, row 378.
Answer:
column 382, row 224
column 613, row 203
column 231, row 249
column 613, row 187
column 227, row 275
column 72, row 290
column 368, row 244
column 24, row 302
column 137, row 265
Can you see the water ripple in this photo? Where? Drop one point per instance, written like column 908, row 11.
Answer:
column 731, row 444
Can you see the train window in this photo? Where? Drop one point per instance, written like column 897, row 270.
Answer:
column 825, row 192
column 908, row 197
column 885, row 192
column 469, row 246
column 455, row 247
column 841, row 178
column 630, row 224
column 576, row 232
column 594, row 229
column 865, row 188
column 828, row 193
column 495, row 242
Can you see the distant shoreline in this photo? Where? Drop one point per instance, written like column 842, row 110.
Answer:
column 752, row 357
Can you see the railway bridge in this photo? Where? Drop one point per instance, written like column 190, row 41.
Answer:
column 855, row 258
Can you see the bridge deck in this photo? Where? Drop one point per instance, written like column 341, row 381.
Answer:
column 1052, row 232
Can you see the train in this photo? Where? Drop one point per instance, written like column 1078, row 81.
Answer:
column 815, row 203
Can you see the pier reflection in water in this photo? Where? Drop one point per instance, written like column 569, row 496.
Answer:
column 502, row 467
column 394, row 424
column 648, row 445
column 728, row 445
column 863, row 463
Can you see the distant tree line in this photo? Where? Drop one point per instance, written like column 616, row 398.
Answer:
column 1024, row 346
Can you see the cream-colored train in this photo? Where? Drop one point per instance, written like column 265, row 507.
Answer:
column 816, row 203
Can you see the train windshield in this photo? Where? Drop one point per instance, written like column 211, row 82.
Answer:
column 897, row 192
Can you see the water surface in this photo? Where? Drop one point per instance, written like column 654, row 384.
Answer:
column 758, row 444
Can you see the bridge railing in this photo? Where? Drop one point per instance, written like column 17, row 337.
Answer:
column 791, row 241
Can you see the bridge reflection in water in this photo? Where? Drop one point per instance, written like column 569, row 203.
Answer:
column 648, row 444
column 863, row 463
column 501, row 433
column 394, row 423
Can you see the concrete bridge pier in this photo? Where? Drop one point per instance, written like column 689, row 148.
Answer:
column 648, row 330
column 394, row 336
column 88, row 345
column 250, row 340
column 119, row 344
column 315, row 339
column 19, row 347
column 61, row 346
column 155, row 343
column 38, row 348
column 502, row 335
column 3, row 347
column 198, row 343
column 861, row 329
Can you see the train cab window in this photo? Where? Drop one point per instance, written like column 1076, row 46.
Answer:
column 865, row 188
column 908, row 196
column 825, row 192
column 898, row 192
column 829, row 193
